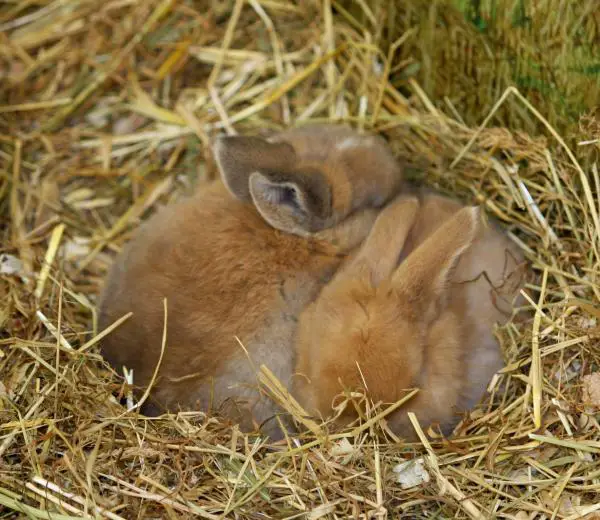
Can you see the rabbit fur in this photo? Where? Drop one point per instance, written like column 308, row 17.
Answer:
column 414, row 308
column 237, row 262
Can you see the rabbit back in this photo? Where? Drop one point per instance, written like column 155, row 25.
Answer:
column 226, row 276
column 414, row 307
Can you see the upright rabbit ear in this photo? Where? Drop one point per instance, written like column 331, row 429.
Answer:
column 239, row 156
column 378, row 256
column 424, row 275
column 295, row 202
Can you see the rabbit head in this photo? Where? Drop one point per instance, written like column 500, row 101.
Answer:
column 308, row 179
column 369, row 326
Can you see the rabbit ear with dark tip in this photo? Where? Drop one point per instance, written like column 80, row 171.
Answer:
column 296, row 202
column 239, row 156
column 265, row 173
column 423, row 276
column 378, row 256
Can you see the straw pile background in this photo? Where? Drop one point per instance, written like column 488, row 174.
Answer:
column 106, row 112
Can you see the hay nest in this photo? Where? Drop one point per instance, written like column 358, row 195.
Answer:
column 107, row 113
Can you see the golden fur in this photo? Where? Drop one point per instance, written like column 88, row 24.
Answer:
column 238, row 261
column 415, row 308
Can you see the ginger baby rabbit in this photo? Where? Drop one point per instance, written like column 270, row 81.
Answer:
column 238, row 261
column 414, row 308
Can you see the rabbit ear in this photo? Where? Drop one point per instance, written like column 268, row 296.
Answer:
column 371, row 168
column 423, row 276
column 239, row 156
column 378, row 256
column 295, row 202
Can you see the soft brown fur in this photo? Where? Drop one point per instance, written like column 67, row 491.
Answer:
column 234, row 284
column 427, row 323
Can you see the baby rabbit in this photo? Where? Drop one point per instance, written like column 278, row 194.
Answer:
column 238, row 261
column 414, row 308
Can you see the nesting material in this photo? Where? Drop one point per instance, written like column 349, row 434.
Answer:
column 107, row 112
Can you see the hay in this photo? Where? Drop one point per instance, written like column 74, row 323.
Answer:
column 107, row 112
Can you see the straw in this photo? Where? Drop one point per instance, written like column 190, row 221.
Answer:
column 107, row 112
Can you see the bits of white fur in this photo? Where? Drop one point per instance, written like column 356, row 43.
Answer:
column 10, row 265
column 353, row 142
column 411, row 473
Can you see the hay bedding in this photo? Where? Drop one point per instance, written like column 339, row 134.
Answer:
column 106, row 113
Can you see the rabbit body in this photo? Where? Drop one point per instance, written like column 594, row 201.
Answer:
column 237, row 262
column 414, row 308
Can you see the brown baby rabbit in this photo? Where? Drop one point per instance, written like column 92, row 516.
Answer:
column 414, row 308
column 237, row 270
